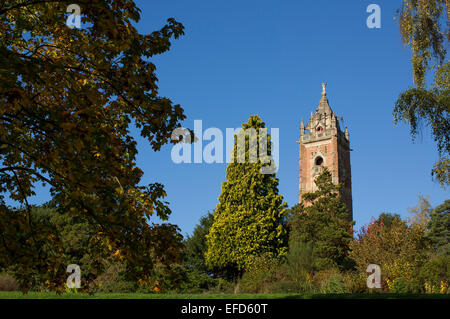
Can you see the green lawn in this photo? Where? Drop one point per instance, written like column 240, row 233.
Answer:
column 48, row 295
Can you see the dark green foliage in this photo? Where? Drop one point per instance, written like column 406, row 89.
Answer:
column 435, row 271
column 356, row 282
column 78, row 240
column 167, row 278
column 197, row 276
column 197, row 281
column 301, row 263
column 334, row 284
column 388, row 218
column 324, row 220
column 403, row 285
column 439, row 228
column 200, row 282
column 74, row 239
column 196, row 245
column 113, row 279
column 102, row 268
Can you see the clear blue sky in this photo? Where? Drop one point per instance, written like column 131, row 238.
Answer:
column 269, row 58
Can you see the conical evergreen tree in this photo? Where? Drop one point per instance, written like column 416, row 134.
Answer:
column 323, row 219
column 248, row 220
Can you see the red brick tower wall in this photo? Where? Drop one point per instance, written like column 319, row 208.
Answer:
column 323, row 144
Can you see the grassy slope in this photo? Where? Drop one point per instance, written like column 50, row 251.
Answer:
column 48, row 295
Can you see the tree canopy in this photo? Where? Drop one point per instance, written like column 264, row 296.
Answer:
column 196, row 244
column 399, row 249
column 67, row 100
column 323, row 219
column 439, row 228
column 248, row 220
column 420, row 214
column 388, row 218
column 424, row 27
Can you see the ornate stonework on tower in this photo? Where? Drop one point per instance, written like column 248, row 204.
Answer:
column 322, row 143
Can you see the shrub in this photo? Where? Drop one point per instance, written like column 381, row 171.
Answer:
column 435, row 273
column 167, row 277
column 197, row 281
column 223, row 286
column 264, row 271
column 300, row 262
column 112, row 280
column 397, row 248
column 331, row 282
column 8, row 283
column 402, row 285
column 355, row 282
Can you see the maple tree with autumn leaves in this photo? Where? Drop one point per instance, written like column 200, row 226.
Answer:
column 68, row 98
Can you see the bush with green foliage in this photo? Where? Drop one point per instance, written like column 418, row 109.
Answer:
column 399, row 249
column 197, row 281
column 264, row 272
column 196, row 245
column 402, row 285
column 331, row 281
column 435, row 273
column 300, row 264
column 224, row 286
column 112, row 280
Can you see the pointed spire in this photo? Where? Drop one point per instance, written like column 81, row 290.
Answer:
column 301, row 124
column 324, row 107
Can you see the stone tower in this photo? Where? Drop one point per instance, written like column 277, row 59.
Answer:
column 322, row 143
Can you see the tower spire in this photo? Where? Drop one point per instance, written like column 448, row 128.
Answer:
column 324, row 107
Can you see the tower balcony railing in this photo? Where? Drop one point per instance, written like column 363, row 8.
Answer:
column 312, row 137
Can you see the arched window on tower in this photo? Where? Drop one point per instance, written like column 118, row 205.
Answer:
column 319, row 129
column 319, row 161
column 316, row 170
